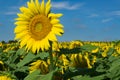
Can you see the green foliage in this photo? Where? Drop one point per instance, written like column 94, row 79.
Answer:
column 88, row 47
column 107, row 68
column 33, row 76
column 1, row 49
column 43, row 55
column 10, row 60
column 28, row 58
column 48, row 76
column 16, row 63
column 20, row 51
column 36, row 75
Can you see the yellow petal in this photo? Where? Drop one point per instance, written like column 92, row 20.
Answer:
column 31, row 6
column 20, row 35
column 24, row 40
column 30, row 43
column 52, row 15
column 37, row 5
column 58, row 25
column 52, row 37
column 46, row 44
column 26, row 11
column 34, row 48
column 42, row 7
column 54, row 21
column 88, row 62
column 19, row 29
column 58, row 31
column 23, row 16
column 22, row 23
column 37, row 46
column 34, row 7
column 48, row 7
column 42, row 46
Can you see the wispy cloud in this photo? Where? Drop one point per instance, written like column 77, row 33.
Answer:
column 93, row 15
column 14, row 7
column 106, row 20
column 81, row 26
column 66, row 5
column 12, row 10
column 115, row 13
column 10, row 13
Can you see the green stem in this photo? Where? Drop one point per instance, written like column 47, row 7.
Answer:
column 51, row 57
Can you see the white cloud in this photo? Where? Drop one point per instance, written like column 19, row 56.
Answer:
column 93, row 15
column 66, row 5
column 14, row 7
column 115, row 13
column 12, row 10
column 82, row 26
column 106, row 20
column 10, row 13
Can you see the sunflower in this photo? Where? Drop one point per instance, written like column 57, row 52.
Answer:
column 36, row 26
column 5, row 78
column 39, row 65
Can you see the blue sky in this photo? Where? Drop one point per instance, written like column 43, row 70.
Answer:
column 86, row 20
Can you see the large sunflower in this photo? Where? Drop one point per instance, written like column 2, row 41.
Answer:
column 36, row 26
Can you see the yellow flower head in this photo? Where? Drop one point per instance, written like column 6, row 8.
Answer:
column 80, row 61
column 36, row 26
column 1, row 44
column 39, row 65
column 1, row 62
column 75, row 44
column 1, row 66
column 5, row 78
column 95, row 50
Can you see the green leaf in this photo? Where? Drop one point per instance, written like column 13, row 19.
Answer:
column 13, row 56
column 33, row 75
column 22, row 69
column 48, row 76
column 13, row 66
column 111, row 50
column 16, row 55
column 28, row 58
column 82, row 78
column 20, row 51
column 11, row 52
column 43, row 55
column 114, row 65
column 88, row 47
column 78, row 77
column 87, row 77
column 1, row 49
column 100, row 77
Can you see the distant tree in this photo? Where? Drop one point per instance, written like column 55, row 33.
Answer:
column 3, row 42
column 12, row 41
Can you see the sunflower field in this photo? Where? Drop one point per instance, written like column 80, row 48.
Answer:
column 74, row 60
column 36, row 54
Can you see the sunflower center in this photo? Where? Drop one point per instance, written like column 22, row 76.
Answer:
column 39, row 27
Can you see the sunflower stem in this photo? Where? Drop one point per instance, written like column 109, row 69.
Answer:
column 51, row 57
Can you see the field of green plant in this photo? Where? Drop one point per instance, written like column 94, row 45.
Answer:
column 36, row 54
column 74, row 60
